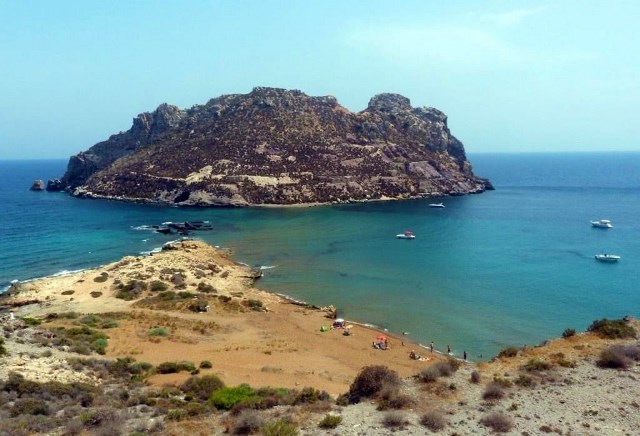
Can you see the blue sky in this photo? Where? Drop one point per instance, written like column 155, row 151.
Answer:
column 511, row 75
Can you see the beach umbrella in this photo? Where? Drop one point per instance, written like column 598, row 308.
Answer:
column 341, row 320
column 381, row 337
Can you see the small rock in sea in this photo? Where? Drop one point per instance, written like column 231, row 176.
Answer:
column 37, row 185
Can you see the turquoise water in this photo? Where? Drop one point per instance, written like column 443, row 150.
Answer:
column 509, row 267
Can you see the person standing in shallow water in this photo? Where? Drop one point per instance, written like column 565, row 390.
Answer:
column 431, row 346
column 464, row 355
column 448, row 349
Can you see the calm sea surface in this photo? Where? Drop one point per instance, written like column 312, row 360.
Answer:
column 509, row 267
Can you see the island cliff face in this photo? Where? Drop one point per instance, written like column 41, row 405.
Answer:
column 275, row 146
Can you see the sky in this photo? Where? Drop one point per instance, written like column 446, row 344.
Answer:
column 512, row 76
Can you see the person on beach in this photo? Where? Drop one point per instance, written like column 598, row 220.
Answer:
column 431, row 346
column 448, row 349
column 464, row 355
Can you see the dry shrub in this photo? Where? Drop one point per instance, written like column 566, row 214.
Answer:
column 498, row 422
column 536, row 364
column 395, row 419
column 434, row 420
column 525, row 381
column 508, row 352
column 201, row 387
column 439, row 369
column 330, row 421
column 429, row 374
column 475, row 377
column 391, row 398
column 446, row 369
column 247, row 422
column 370, row 381
column 493, row 391
column 619, row 356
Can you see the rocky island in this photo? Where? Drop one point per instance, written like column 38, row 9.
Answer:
column 276, row 147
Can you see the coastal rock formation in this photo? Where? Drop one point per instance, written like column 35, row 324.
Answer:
column 37, row 185
column 55, row 185
column 276, row 146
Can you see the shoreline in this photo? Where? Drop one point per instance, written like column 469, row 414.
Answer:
column 282, row 345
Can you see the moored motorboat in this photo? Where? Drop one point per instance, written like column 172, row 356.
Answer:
column 408, row 234
column 604, row 257
column 602, row 224
column 436, row 204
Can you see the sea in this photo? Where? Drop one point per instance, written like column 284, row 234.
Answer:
column 510, row 267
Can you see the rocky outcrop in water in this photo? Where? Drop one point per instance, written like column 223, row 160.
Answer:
column 37, row 185
column 275, row 146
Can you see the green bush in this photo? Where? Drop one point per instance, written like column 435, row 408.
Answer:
column 176, row 415
column 158, row 286
column 613, row 329
column 131, row 290
column 159, row 331
column 525, row 381
column 91, row 320
column 199, row 306
column 201, row 387
column 280, row 427
column 205, row 288
column 173, row 367
column 69, row 292
column 167, row 296
column 370, row 381
column 32, row 321
column 567, row 333
column 101, row 278
column 256, row 305
column 330, row 421
column 29, row 406
column 109, row 324
column 226, row 398
column 99, row 345
column 185, row 295
column 205, row 364
column 536, row 364
column 3, row 349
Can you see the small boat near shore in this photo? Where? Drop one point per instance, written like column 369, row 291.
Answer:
column 408, row 234
column 607, row 257
column 602, row 224
column 440, row 205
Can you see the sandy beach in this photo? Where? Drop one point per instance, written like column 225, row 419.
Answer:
column 282, row 345
column 266, row 340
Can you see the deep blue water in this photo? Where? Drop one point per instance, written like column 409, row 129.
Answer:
column 508, row 267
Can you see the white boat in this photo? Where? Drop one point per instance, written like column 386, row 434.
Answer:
column 436, row 205
column 607, row 257
column 602, row 224
column 408, row 234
